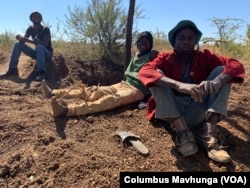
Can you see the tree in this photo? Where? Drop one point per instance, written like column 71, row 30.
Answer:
column 226, row 27
column 129, row 32
column 248, row 33
column 226, row 32
column 103, row 24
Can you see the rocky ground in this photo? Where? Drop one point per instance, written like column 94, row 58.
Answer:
column 37, row 150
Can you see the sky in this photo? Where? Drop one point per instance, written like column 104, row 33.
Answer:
column 160, row 15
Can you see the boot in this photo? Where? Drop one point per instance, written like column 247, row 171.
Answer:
column 208, row 139
column 41, row 75
column 10, row 72
column 47, row 91
column 57, row 108
column 185, row 141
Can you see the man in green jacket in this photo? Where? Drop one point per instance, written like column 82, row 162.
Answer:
column 101, row 98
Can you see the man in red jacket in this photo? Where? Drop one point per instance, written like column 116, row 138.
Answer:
column 190, row 90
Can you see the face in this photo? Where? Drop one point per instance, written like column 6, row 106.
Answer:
column 36, row 18
column 143, row 45
column 185, row 40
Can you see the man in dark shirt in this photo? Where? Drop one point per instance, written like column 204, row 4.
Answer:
column 42, row 52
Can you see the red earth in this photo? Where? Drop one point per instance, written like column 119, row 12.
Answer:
column 38, row 150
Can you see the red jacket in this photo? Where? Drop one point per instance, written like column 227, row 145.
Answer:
column 202, row 64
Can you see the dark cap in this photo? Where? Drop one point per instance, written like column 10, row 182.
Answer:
column 148, row 35
column 35, row 13
column 184, row 23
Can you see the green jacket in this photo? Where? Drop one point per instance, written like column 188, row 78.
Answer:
column 131, row 73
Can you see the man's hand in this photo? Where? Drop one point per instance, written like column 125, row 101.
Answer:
column 20, row 38
column 191, row 89
column 197, row 91
column 210, row 86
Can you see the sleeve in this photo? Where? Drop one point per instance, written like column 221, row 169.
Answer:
column 46, row 31
column 148, row 74
column 28, row 32
column 233, row 67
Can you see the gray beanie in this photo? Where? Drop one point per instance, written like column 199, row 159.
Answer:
column 148, row 35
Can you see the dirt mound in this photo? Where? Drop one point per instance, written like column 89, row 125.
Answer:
column 39, row 151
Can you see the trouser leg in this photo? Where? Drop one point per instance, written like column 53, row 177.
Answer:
column 124, row 94
column 166, row 106
column 167, row 109
column 107, row 102
column 42, row 55
column 90, row 93
column 208, row 133
column 16, row 52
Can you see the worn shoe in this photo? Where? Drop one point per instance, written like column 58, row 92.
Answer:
column 40, row 76
column 10, row 72
column 47, row 91
column 57, row 108
column 186, row 143
column 217, row 153
column 209, row 140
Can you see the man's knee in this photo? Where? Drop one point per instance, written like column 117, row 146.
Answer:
column 215, row 72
